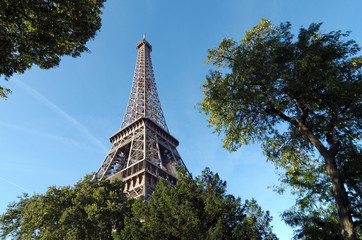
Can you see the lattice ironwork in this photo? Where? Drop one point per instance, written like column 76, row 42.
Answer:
column 144, row 100
column 143, row 150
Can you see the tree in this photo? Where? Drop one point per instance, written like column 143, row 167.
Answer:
column 40, row 32
column 314, row 215
column 92, row 209
column 300, row 97
column 196, row 209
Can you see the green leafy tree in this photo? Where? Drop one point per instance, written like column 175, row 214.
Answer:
column 314, row 223
column 92, row 209
column 256, row 224
column 41, row 31
column 196, row 209
column 315, row 215
column 301, row 98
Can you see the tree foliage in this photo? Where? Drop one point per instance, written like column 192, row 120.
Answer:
column 196, row 209
column 314, row 215
column 301, row 98
column 98, row 209
column 40, row 32
column 91, row 209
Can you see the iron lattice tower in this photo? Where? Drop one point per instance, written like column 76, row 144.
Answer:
column 143, row 150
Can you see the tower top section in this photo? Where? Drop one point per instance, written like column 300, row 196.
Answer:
column 144, row 101
column 143, row 42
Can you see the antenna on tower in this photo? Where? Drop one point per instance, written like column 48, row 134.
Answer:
column 144, row 36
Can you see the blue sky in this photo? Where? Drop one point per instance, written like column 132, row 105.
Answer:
column 55, row 126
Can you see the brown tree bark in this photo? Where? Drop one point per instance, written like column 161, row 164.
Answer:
column 339, row 191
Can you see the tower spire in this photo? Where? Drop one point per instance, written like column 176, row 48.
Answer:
column 143, row 150
column 144, row 101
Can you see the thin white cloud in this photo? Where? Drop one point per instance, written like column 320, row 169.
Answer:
column 16, row 185
column 62, row 113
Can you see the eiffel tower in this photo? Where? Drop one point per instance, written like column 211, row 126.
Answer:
column 143, row 150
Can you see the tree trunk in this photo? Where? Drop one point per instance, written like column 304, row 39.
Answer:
column 339, row 191
column 341, row 198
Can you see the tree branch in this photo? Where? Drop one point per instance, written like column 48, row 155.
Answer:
column 304, row 115
column 333, row 150
column 229, row 58
column 272, row 109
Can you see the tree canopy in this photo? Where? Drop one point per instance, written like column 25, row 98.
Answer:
column 301, row 98
column 197, row 208
column 98, row 209
column 41, row 32
column 91, row 209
